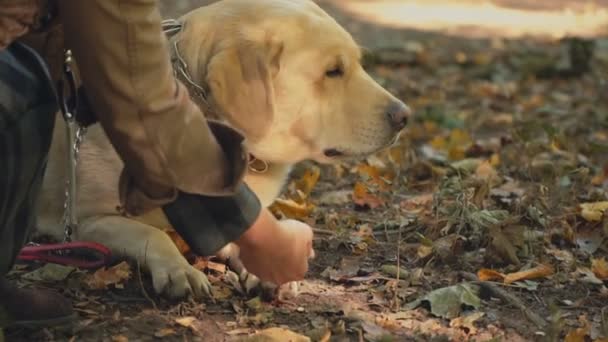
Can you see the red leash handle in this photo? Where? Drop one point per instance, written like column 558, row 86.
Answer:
column 97, row 255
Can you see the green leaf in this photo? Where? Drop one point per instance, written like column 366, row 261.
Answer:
column 448, row 302
column 50, row 273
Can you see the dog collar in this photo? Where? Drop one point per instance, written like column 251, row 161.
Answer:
column 257, row 165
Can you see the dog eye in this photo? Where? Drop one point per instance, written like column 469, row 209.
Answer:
column 335, row 72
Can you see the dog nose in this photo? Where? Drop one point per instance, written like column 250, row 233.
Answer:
column 398, row 113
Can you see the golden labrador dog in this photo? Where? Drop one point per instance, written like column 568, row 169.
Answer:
column 283, row 72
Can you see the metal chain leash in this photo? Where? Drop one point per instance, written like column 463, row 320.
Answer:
column 74, row 135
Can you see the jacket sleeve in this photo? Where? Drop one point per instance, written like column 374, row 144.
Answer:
column 164, row 140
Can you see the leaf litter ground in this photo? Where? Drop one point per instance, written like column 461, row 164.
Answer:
column 485, row 222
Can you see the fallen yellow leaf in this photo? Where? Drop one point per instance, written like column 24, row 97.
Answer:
column 486, row 274
column 164, row 332
column 456, row 152
column 459, row 137
column 292, row 209
column 396, row 154
column 593, row 211
column 278, row 335
column 424, row 251
column 308, row 181
column 185, row 321
column 600, row 268
column 540, row 271
column 486, row 171
column 439, row 143
column 495, row 159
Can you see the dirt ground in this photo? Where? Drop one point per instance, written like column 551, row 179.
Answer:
column 485, row 222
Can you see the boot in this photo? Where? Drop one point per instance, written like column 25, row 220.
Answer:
column 33, row 308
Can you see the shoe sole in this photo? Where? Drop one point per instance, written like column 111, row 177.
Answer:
column 59, row 322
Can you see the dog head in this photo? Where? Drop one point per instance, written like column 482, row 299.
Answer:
column 289, row 77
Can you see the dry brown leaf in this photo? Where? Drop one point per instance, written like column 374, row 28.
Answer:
column 579, row 334
column 467, row 322
column 326, row 337
column 363, row 197
column 292, row 209
column 600, row 268
column 417, row 203
column 365, row 232
column 200, row 263
column 540, row 271
column 375, row 177
column 120, row 338
column 486, row 274
column 182, row 246
column 601, row 177
column 593, row 211
column 534, row 102
column 214, row 266
column 278, row 335
column 564, row 256
column 103, row 277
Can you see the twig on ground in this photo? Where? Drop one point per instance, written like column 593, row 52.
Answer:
column 323, row 231
column 507, row 297
column 397, row 303
column 143, row 289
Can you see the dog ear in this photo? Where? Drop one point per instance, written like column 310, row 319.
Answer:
column 240, row 79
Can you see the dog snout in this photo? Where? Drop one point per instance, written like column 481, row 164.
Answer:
column 398, row 114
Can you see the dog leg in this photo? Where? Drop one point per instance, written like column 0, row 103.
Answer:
column 152, row 249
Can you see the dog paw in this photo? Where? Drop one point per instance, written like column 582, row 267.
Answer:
column 179, row 280
column 250, row 285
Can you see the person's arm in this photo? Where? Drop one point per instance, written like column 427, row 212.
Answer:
column 162, row 137
column 173, row 158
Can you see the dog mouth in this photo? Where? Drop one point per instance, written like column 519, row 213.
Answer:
column 335, row 153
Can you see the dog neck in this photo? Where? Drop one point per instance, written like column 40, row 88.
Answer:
column 199, row 92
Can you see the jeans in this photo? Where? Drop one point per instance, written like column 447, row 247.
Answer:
column 28, row 106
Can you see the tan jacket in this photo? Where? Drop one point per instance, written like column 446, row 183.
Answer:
column 123, row 61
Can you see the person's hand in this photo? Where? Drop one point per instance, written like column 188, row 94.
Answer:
column 276, row 252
